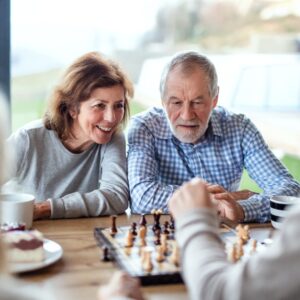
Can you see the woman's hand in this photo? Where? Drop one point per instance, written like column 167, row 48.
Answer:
column 42, row 210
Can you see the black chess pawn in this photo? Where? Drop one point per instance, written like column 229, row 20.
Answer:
column 172, row 223
column 105, row 254
column 166, row 228
column 157, row 237
column 113, row 229
column 133, row 229
column 143, row 221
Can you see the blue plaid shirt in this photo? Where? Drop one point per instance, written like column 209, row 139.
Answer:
column 158, row 163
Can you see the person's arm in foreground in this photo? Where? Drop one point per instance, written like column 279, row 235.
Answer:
column 274, row 273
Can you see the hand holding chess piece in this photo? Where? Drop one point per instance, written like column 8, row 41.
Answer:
column 121, row 285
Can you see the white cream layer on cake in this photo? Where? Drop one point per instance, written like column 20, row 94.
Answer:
column 24, row 246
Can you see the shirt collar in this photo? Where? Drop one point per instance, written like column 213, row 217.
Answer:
column 215, row 124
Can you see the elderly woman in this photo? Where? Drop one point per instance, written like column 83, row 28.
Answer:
column 74, row 161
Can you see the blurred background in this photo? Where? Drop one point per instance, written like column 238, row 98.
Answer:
column 255, row 45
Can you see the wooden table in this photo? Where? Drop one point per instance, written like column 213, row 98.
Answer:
column 80, row 272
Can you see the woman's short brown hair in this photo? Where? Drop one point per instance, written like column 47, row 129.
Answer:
column 87, row 73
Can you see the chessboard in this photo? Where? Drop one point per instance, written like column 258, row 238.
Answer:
column 150, row 252
column 146, row 251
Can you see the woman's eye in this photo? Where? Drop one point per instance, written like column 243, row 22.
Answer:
column 100, row 105
column 120, row 105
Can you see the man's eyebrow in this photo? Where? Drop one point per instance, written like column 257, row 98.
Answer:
column 174, row 98
column 198, row 98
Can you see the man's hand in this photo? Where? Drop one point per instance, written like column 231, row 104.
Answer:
column 221, row 194
column 226, row 202
column 189, row 196
column 42, row 210
column 199, row 194
column 121, row 285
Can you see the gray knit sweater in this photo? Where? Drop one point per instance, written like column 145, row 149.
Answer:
column 90, row 183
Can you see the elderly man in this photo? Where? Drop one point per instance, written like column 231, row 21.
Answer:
column 192, row 137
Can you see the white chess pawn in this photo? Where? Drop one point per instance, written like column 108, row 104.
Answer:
column 164, row 244
column 232, row 254
column 128, row 239
column 239, row 249
column 142, row 232
column 159, row 254
column 146, row 261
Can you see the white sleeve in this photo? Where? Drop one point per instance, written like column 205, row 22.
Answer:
column 273, row 274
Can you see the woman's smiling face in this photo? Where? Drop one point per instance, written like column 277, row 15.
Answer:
column 99, row 116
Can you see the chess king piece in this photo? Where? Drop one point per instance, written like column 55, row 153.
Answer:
column 156, row 216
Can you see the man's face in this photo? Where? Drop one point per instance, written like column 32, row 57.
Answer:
column 188, row 104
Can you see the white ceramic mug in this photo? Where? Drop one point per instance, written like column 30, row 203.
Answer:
column 16, row 208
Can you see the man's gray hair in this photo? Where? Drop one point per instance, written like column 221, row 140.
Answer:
column 188, row 61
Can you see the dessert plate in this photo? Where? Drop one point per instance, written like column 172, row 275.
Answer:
column 53, row 252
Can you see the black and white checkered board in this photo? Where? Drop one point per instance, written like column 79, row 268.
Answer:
column 129, row 259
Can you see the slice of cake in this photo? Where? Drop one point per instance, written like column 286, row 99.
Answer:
column 24, row 246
